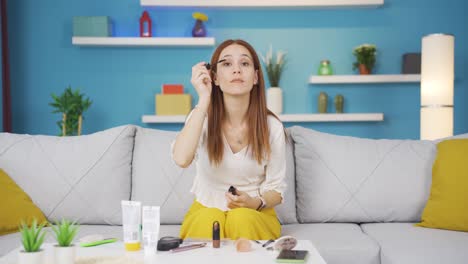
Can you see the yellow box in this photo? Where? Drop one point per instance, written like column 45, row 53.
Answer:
column 173, row 104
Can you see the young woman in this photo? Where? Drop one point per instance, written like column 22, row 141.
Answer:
column 235, row 141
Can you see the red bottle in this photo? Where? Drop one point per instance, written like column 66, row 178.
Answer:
column 145, row 25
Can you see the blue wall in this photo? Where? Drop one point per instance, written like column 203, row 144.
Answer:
column 122, row 81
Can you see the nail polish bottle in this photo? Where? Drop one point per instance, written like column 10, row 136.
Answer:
column 216, row 235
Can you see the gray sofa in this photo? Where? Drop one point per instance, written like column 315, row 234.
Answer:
column 355, row 199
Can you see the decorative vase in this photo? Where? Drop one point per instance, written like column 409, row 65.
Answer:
column 64, row 255
column 199, row 29
column 31, row 257
column 322, row 102
column 275, row 100
column 363, row 69
column 325, row 68
column 145, row 25
column 339, row 102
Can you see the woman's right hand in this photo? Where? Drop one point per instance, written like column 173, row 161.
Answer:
column 201, row 80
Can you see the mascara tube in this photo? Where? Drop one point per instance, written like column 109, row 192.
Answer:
column 216, row 235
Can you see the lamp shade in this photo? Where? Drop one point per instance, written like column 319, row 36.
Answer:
column 437, row 81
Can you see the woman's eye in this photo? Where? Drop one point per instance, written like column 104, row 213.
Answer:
column 226, row 64
column 246, row 64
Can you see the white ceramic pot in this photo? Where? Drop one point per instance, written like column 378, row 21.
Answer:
column 31, row 257
column 275, row 100
column 64, row 255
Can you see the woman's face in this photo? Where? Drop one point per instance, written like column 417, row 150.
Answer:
column 236, row 73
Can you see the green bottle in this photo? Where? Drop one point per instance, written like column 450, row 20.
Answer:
column 325, row 68
column 322, row 102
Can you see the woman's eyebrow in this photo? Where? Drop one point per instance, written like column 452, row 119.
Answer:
column 228, row 55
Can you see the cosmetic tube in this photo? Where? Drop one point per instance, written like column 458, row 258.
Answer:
column 131, row 219
column 150, row 231
column 216, row 235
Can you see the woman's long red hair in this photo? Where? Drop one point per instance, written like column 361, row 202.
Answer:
column 257, row 113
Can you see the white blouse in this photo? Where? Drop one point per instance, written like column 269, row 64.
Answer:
column 239, row 169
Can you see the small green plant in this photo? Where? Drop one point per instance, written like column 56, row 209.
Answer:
column 32, row 237
column 365, row 54
column 72, row 105
column 64, row 231
column 274, row 65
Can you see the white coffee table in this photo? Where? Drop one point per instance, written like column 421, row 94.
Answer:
column 207, row 255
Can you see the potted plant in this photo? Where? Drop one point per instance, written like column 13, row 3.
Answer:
column 32, row 238
column 274, row 65
column 65, row 232
column 365, row 56
column 72, row 105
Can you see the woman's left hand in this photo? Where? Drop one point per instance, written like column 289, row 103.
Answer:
column 240, row 200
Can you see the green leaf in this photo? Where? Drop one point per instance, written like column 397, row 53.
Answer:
column 39, row 242
column 24, row 229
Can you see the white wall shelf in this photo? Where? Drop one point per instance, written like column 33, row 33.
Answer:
column 371, row 78
column 331, row 117
column 137, row 41
column 264, row 3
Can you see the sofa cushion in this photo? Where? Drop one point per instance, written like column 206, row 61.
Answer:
column 13, row 241
column 15, row 206
column 338, row 243
column 80, row 178
column 157, row 180
column 404, row 243
column 444, row 208
column 348, row 179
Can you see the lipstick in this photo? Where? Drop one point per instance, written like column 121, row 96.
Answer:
column 216, row 235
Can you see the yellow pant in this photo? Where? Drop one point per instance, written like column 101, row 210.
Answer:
column 236, row 223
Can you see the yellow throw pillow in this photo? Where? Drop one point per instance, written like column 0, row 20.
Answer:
column 15, row 205
column 447, row 207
